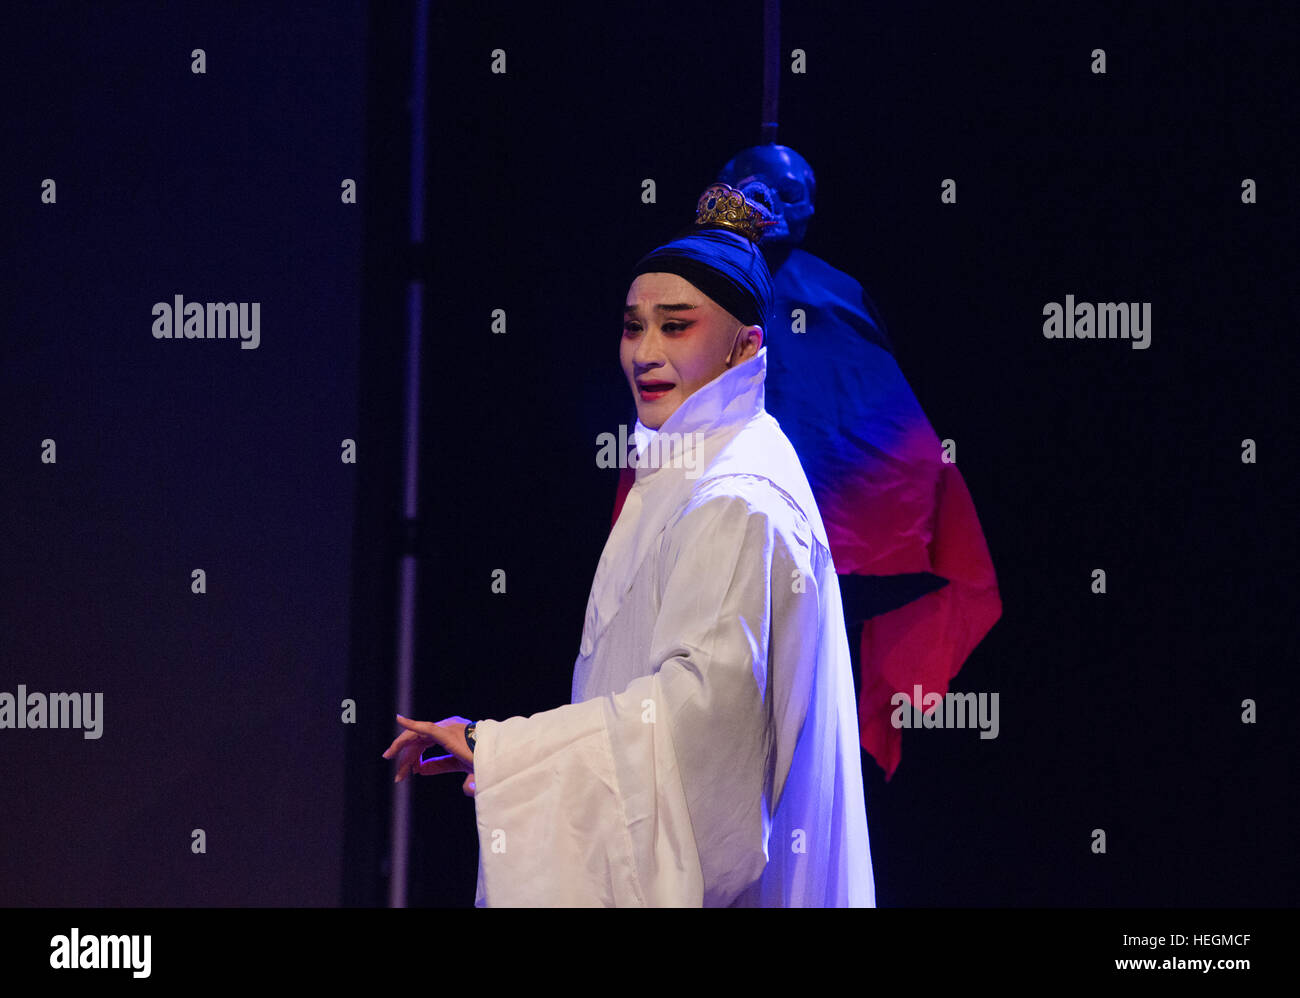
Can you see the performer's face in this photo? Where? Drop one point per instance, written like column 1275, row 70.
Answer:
column 676, row 340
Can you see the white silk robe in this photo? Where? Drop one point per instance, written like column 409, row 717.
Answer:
column 710, row 755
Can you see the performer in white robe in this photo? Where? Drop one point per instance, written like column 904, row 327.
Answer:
column 710, row 755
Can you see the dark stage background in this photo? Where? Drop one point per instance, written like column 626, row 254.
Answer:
column 222, row 710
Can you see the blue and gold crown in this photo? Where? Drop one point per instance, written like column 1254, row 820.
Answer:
column 740, row 211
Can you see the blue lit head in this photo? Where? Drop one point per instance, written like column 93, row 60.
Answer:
column 789, row 176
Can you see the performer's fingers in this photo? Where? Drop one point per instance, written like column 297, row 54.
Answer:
column 404, row 739
column 400, row 742
column 409, row 762
column 426, row 728
column 469, row 786
column 438, row 765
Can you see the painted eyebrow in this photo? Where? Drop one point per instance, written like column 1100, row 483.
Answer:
column 633, row 309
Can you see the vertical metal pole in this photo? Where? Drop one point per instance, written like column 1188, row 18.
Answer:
column 771, row 69
column 405, row 679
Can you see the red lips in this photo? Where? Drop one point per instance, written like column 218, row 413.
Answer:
column 651, row 390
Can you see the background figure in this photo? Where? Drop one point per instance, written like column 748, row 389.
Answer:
column 914, row 569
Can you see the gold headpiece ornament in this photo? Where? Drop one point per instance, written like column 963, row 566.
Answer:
column 723, row 205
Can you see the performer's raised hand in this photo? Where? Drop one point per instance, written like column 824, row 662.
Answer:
column 448, row 733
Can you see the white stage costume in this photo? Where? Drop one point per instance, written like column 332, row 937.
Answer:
column 710, row 756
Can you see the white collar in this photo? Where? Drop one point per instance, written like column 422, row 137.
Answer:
column 724, row 405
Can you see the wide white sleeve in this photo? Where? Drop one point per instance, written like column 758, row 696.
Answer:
column 656, row 796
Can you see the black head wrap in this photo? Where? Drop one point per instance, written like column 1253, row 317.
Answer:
column 723, row 264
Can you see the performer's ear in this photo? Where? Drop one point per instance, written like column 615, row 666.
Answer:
column 748, row 341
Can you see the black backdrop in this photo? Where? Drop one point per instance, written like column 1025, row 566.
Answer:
column 1119, row 711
